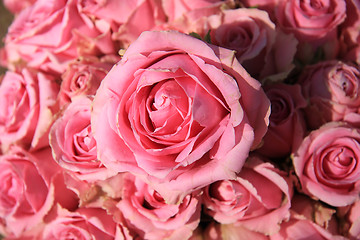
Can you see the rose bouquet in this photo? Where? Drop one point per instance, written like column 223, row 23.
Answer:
column 179, row 119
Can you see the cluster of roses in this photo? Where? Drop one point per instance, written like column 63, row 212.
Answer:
column 180, row 119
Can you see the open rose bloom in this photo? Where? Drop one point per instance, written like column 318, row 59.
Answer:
column 177, row 110
column 180, row 119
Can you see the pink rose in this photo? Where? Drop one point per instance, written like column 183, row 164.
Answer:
column 287, row 124
column 332, row 90
column 30, row 185
column 326, row 164
column 127, row 18
column 148, row 215
column 49, row 34
column 27, row 100
column 315, row 24
column 15, row 6
column 258, row 199
column 310, row 20
column 82, row 77
column 162, row 113
column 253, row 36
column 84, row 223
column 73, row 145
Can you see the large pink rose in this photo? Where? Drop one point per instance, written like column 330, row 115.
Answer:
column 258, row 199
column 127, row 18
column 179, row 113
column 327, row 164
column 73, row 145
column 82, row 77
column 27, row 105
column 253, row 36
column 49, row 34
column 148, row 215
column 30, row 185
column 332, row 90
column 287, row 124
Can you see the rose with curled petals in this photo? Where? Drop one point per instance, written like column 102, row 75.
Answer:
column 84, row 223
column 332, row 91
column 73, row 145
column 258, row 199
column 178, row 113
column 30, row 184
column 310, row 20
column 27, row 107
column 50, row 34
column 127, row 18
column 82, row 77
column 327, row 164
column 150, row 217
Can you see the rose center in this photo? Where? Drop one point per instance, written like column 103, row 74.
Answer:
column 84, row 141
column 339, row 163
column 168, row 106
column 80, row 82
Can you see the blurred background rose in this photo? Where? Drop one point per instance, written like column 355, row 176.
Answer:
column 5, row 20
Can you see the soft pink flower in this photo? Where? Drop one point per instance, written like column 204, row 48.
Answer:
column 179, row 113
column 30, row 185
column 27, row 106
column 50, row 33
column 126, row 18
column 82, row 77
column 84, row 223
column 287, row 124
column 258, row 199
column 315, row 24
column 73, row 145
column 332, row 90
column 253, row 36
column 310, row 20
column 148, row 215
column 327, row 166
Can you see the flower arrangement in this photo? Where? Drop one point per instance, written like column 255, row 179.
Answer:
column 179, row 119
